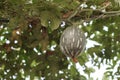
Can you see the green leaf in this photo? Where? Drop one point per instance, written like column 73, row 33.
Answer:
column 64, row 3
column 50, row 20
column 73, row 70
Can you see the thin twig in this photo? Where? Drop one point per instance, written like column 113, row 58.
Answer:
column 111, row 15
column 111, row 12
column 74, row 13
column 102, row 16
column 78, row 9
column 106, row 5
column 88, row 10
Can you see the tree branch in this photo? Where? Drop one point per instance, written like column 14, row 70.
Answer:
column 78, row 9
column 102, row 16
column 111, row 12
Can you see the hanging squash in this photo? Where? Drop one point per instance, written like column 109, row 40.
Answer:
column 72, row 42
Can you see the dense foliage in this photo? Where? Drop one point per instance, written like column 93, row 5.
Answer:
column 30, row 33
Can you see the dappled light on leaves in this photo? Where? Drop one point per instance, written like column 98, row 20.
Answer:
column 30, row 32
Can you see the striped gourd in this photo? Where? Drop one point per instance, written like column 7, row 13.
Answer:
column 72, row 42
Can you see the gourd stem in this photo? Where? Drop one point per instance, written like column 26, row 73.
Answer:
column 75, row 60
